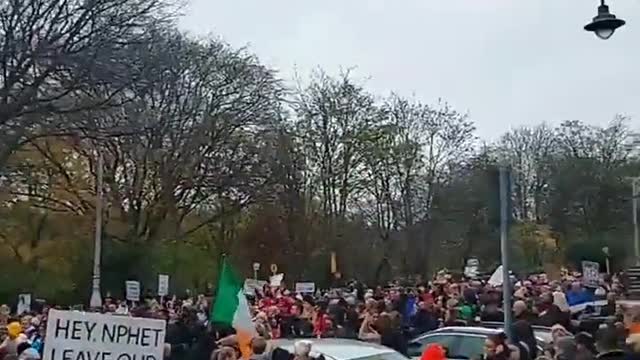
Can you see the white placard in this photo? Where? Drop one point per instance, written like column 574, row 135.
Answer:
column 276, row 280
column 253, row 286
column 24, row 303
column 74, row 335
column 496, row 277
column 305, row 287
column 590, row 274
column 133, row 291
column 163, row 285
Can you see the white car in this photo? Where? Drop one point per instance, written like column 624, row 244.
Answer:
column 343, row 349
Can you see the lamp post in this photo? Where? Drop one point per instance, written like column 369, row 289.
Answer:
column 96, row 296
column 605, row 23
column 635, row 194
column 505, row 194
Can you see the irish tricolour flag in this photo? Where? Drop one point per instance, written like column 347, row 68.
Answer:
column 231, row 307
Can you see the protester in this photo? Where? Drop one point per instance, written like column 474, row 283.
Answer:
column 524, row 339
column 607, row 344
column 9, row 347
column 496, row 348
column 425, row 319
column 586, row 348
column 565, row 348
column 434, row 352
column 389, row 316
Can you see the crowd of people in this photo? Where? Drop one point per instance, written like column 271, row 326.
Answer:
column 390, row 316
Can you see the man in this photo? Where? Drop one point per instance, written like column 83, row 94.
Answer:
column 521, row 311
column 425, row 318
column 492, row 313
column 259, row 349
column 607, row 344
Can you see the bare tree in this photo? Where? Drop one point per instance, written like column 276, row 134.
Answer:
column 530, row 152
column 332, row 114
column 61, row 56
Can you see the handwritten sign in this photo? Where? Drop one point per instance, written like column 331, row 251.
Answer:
column 163, row 285
column 133, row 290
column 24, row 303
column 590, row 274
column 73, row 335
column 252, row 286
column 276, row 280
column 305, row 287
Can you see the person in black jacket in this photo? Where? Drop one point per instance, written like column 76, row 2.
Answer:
column 607, row 343
column 524, row 339
column 425, row 319
column 390, row 333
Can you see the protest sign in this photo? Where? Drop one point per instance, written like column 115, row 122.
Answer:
column 590, row 274
column 74, row 335
column 133, row 290
column 496, row 277
column 305, row 287
column 163, row 285
column 24, row 303
column 276, row 280
column 253, row 286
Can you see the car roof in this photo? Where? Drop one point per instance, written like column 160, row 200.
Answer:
column 500, row 324
column 339, row 349
column 540, row 334
column 466, row 330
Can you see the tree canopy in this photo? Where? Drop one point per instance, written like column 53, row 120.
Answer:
column 208, row 152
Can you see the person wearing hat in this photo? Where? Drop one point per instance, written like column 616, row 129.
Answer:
column 9, row 348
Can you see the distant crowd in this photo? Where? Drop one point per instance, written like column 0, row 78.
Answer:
column 388, row 315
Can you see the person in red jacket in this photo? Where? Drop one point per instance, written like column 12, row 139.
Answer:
column 434, row 352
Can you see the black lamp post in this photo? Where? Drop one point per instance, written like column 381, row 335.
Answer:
column 605, row 23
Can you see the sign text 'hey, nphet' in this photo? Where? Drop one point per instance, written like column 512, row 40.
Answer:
column 75, row 335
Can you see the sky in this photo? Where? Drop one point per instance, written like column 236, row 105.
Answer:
column 508, row 63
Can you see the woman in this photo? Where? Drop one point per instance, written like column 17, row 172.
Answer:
column 321, row 321
column 368, row 331
column 496, row 348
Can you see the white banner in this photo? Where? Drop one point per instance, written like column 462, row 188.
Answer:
column 133, row 290
column 74, row 335
column 163, row 285
column 305, row 287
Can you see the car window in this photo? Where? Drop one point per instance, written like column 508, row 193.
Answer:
column 469, row 347
column 417, row 347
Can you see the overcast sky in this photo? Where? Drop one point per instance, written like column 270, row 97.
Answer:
column 506, row 62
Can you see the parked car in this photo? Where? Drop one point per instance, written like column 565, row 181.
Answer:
column 461, row 342
column 542, row 333
column 344, row 349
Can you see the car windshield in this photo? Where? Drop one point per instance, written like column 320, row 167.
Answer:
column 383, row 356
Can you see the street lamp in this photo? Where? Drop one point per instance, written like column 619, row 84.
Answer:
column 635, row 196
column 605, row 23
column 95, row 301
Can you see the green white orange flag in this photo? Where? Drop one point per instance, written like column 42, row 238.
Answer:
column 231, row 308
